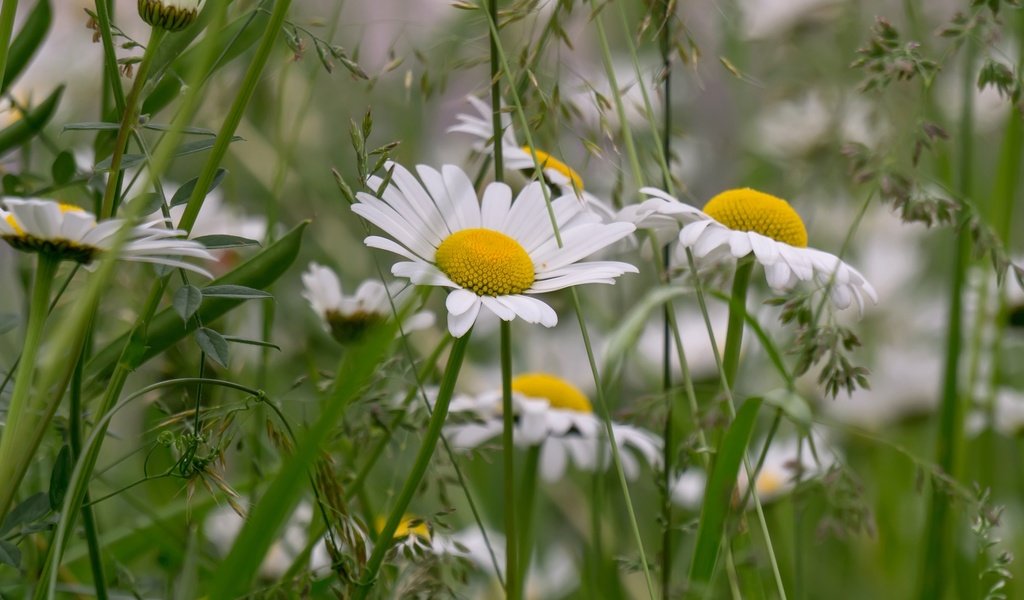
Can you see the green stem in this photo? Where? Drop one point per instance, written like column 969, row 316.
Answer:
column 938, row 540
column 110, row 74
column 737, row 313
column 527, row 504
column 15, row 455
column 129, row 120
column 419, row 468
column 616, row 459
column 513, row 581
column 7, row 12
column 234, row 117
column 88, row 518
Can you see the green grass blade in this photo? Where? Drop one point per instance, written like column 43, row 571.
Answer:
column 285, row 491
column 718, row 493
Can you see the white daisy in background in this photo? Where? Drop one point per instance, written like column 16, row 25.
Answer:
column 347, row 318
column 223, row 525
column 1007, row 414
column 519, row 157
column 556, row 415
column 496, row 253
column 746, row 222
column 787, row 462
column 68, row 232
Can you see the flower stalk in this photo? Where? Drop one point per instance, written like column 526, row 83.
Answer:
column 419, row 468
column 513, row 579
column 737, row 313
column 129, row 119
column 15, row 453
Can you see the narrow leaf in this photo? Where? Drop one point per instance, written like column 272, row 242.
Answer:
column 187, row 301
column 234, row 291
column 59, row 477
column 183, row 193
column 214, row 345
column 32, row 508
column 219, row 241
column 9, row 554
column 718, row 493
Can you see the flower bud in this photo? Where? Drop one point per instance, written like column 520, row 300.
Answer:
column 172, row 15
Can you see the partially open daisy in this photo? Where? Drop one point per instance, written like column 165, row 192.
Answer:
column 746, row 222
column 521, row 157
column 787, row 462
column 556, row 415
column 347, row 318
column 496, row 253
column 67, row 232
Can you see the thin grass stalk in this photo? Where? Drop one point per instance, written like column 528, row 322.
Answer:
column 935, row 568
column 513, row 578
column 527, row 502
column 15, row 454
column 419, row 469
column 616, row 459
column 129, row 119
column 668, row 457
column 88, row 517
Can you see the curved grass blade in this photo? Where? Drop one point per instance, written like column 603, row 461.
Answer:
column 718, row 493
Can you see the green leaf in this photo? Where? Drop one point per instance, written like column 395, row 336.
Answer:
column 9, row 554
column 236, row 38
column 151, row 202
column 31, row 123
column 59, row 477
column 219, row 241
column 31, row 509
column 63, row 169
column 165, row 329
column 187, row 301
column 183, row 193
column 718, row 493
column 234, row 291
column 248, row 342
column 91, row 126
column 28, row 40
column 133, row 160
column 214, row 345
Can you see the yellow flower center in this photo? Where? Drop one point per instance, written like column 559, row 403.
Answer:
column 486, row 262
column 559, row 392
column 547, row 161
column 750, row 210
column 769, row 482
column 420, row 529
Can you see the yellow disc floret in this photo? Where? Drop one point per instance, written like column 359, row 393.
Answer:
column 557, row 391
column 547, row 161
column 750, row 210
column 485, row 262
column 406, row 528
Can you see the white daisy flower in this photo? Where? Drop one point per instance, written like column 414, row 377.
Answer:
column 520, row 157
column 172, row 15
column 1007, row 414
column 412, row 538
column 554, row 414
column 347, row 318
column 68, row 232
column 786, row 462
column 744, row 222
column 496, row 253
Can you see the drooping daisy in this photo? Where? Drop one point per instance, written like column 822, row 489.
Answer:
column 520, row 157
column 412, row 538
column 556, row 415
column 67, row 232
column 496, row 253
column 745, row 222
column 347, row 318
